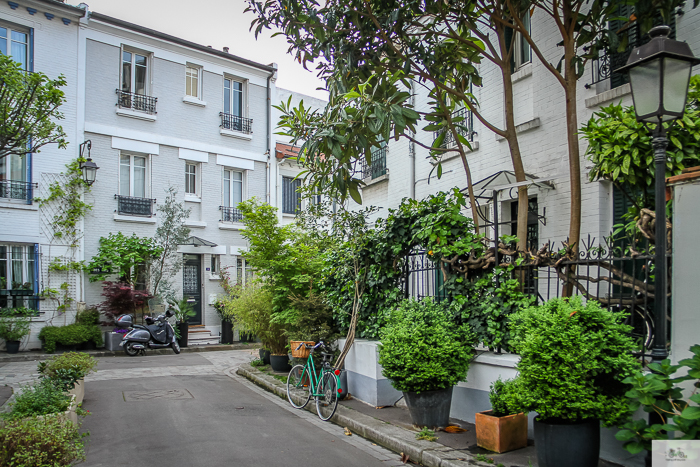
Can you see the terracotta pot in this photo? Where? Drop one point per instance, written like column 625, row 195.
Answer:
column 501, row 434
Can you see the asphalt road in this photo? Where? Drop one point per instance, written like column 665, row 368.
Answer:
column 207, row 420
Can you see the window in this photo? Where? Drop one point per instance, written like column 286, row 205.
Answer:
column 132, row 175
column 233, row 188
column 14, row 177
column 134, row 72
column 291, row 198
column 244, row 273
column 521, row 48
column 17, row 273
column 15, row 42
column 233, row 97
column 215, row 265
column 192, row 80
column 191, row 178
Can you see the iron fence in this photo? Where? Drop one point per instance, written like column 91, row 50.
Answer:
column 15, row 189
column 376, row 168
column 236, row 123
column 133, row 101
column 229, row 214
column 134, row 206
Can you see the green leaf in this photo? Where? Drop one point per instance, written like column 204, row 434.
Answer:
column 691, row 413
column 355, row 194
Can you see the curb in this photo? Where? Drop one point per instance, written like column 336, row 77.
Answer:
column 397, row 439
column 34, row 356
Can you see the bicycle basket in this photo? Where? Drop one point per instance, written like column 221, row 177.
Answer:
column 303, row 352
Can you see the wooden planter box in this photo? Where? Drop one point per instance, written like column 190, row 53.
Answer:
column 501, row 434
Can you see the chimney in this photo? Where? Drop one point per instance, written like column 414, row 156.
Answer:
column 226, row 50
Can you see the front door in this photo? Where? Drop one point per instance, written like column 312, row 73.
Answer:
column 192, row 285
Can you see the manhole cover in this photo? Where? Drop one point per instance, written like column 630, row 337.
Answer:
column 136, row 396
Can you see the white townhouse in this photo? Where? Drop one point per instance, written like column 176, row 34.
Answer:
column 164, row 112
column 42, row 36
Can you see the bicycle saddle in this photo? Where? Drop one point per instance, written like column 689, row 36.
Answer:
column 326, row 356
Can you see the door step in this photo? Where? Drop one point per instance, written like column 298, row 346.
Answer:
column 201, row 336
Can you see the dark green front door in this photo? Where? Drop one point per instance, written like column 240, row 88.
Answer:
column 192, row 285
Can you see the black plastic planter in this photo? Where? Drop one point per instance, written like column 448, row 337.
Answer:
column 226, row 332
column 280, row 362
column 570, row 444
column 184, row 333
column 264, row 356
column 430, row 408
column 12, row 346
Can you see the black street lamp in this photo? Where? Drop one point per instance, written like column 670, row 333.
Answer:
column 88, row 167
column 659, row 73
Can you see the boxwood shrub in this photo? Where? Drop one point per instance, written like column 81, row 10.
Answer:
column 422, row 349
column 35, row 442
column 73, row 334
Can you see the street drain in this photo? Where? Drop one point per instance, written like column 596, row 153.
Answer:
column 170, row 394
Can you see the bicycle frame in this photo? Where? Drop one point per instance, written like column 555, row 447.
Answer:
column 310, row 372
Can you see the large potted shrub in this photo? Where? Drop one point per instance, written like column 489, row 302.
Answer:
column 502, row 428
column 574, row 360
column 226, row 322
column 424, row 354
column 14, row 325
column 68, row 371
column 183, row 310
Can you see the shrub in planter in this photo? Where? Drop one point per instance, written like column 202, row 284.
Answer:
column 40, row 442
column 423, row 352
column 88, row 316
column 659, row 392
column 574, row 360
column 67, row 369
column 503, row 428
column 73, row 334
column 41, row 398
column 14, row 325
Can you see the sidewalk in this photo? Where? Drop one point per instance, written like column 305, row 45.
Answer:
column 35, row 355
column 391, row 427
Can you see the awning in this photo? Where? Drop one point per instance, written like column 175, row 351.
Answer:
column 196, row 241
column 505, row 181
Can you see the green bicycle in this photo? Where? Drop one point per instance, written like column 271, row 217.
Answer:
column 302, row 378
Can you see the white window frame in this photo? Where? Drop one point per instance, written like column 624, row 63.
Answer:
column 20, row 29
column 198, row 86
column 27, row 272
column 215, row 266
column 244, row 95
column 149, row 69
column 147, row 175
column 197, row 180
column 244, row 178
column 244, row 272
column 518, row 58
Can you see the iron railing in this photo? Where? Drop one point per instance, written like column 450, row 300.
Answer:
column 229, row 214
column 376, row 168
column 133, row 206
column 464, row 127
column 15, row 189
column 236, row 123
column 133, row 101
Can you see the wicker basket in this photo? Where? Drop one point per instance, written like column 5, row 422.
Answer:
column 303, row 352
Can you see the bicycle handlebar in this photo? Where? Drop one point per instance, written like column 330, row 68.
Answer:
column 320, row 344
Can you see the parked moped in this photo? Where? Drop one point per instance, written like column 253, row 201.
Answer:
column 156, row 334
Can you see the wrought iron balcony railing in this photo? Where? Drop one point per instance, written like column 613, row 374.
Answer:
column 464, row 127
column 229, row 214
column 15, row 189
column 133, row 101
column 376, row 168
column 236, row 123
column 133, row 206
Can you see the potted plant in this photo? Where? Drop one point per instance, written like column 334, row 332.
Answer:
column 14, row 325
column 226, row 321
column 574, row 358
column 183, row 310
column 68, row 371
column 502, row 428
column 424, row 354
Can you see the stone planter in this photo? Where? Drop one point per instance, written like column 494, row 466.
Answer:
column 501, row 434
column 112, row 340
column 78, row 391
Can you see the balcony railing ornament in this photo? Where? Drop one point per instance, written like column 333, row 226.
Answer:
column 138, row 102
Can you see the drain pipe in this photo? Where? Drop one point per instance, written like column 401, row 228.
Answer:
column 412, row 151
column 270, row 149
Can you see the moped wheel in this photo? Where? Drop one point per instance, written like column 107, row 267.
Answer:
column 130, row 350
column 176, row 347
column 327, row 402
column 298, row 387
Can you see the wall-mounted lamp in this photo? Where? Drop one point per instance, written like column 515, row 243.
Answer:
column 88, row 167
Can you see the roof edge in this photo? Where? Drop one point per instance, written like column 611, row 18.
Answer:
column 167, row 37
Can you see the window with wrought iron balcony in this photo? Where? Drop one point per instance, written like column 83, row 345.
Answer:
column 13, row 179
column 133, row 93
column 233, row 121
column 232, row 195
column 464, row 124
column 132, row 200
column 377, row 166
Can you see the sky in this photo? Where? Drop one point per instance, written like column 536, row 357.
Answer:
column 219, row 23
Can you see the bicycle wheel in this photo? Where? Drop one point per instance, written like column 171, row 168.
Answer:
column 327, row 402
column 298, row 387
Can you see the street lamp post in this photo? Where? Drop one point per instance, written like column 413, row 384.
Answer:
column 659, row 73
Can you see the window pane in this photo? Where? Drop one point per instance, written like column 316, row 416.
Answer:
column 227, row 188
column 4, row 284
column 524, row 44
column 190, row 178
column 237, row 99
column 139, row 177
column 30, row 266
column 19, row 48
column 126, row 72
column 124, row 175
column 3, row 41
column 192, row 77
column 140, row 75
column 237, row 188
column 16, row 271
column 227, row 96
column 140, row 60
column 18, row 168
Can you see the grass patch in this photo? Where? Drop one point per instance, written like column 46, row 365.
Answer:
column 426, row 434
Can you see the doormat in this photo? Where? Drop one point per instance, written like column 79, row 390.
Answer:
column 137, row 396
